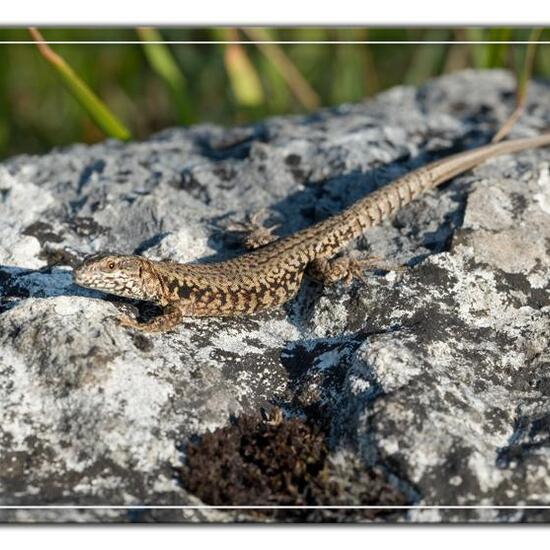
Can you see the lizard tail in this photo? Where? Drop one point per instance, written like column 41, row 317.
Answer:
column 384, row 202
column 445, row 169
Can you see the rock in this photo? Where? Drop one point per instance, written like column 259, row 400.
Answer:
column 437, row 376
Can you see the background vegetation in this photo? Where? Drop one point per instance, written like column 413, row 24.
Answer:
column 48, row 95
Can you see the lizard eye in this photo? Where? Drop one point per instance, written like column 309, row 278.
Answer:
column 111, row 265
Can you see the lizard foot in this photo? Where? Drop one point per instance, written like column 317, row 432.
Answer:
column 161, row 323
column 252, row 233
column 127, row 321
column 347, row 268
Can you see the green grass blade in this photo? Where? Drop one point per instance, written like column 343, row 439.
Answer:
column 496, row 53
column 542, row 66
column 479, row 53
column 527, row 70
column 298, row 84
column 428, row 59
column 244, row 79
column 523, row 77
column 97, row 110
column 163, row 63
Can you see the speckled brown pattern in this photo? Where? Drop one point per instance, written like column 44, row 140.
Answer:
column 271, row 274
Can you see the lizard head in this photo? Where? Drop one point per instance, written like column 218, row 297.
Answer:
column 127, row 276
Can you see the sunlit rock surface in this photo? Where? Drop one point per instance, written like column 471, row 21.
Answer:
column 438, row 375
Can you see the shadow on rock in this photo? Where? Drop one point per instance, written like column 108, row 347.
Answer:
column 17, row 283
column 319, row 200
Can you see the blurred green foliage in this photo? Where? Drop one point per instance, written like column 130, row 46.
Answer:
column 151, row 87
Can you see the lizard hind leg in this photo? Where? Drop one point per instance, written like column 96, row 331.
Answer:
column 171, row 317
column 253, row 234
column 346, row 268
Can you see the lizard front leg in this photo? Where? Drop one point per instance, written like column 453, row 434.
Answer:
column 171, row 317
column 253, row 234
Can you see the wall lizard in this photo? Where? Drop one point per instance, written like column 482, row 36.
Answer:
column 271, row 273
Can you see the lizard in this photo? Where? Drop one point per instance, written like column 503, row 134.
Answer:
column 271, row 272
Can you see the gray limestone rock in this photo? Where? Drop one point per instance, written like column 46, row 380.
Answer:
column 438, row 375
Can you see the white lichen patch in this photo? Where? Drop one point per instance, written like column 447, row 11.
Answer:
column 329, row 317
column 273, row 334
column 455, row 481
column 185, row 245
column 357, row 384
column 24, row 406
column 331, row 358
column 19, row 250
column 479, row 301
column 437, row 375
column 128, row 413
column 543, row 196
column 539, row 279
column 20, row 206
column 66, row 306
column 508, row 221
column 18, row 209
column 488, row 476
column 424, row 515
column 392, row 362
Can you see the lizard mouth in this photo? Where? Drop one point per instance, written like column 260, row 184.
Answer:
column 86, row 283
column 82, row 277
column 85, row 274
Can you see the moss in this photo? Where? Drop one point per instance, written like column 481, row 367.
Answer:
column 280, row 462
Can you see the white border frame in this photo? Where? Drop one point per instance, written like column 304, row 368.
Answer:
column 266, row 507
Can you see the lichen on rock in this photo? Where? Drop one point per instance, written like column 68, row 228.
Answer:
column 435, row 377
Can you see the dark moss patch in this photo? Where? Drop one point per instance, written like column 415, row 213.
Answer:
column 232, row 144
column 536, row 298
column 58, row 256
column 188, row 182
column 454, row 465
column 293, row 160
column 432, row 276
column 142, row 342
column 43, row 232
column 226, row 173
column 9, row 286
column 85, row 226
column 95, row 167
column 277, row 462
column 530, row 435
column 149, row 243
column 5, row 279
column 312, row 382
column 519, row 204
